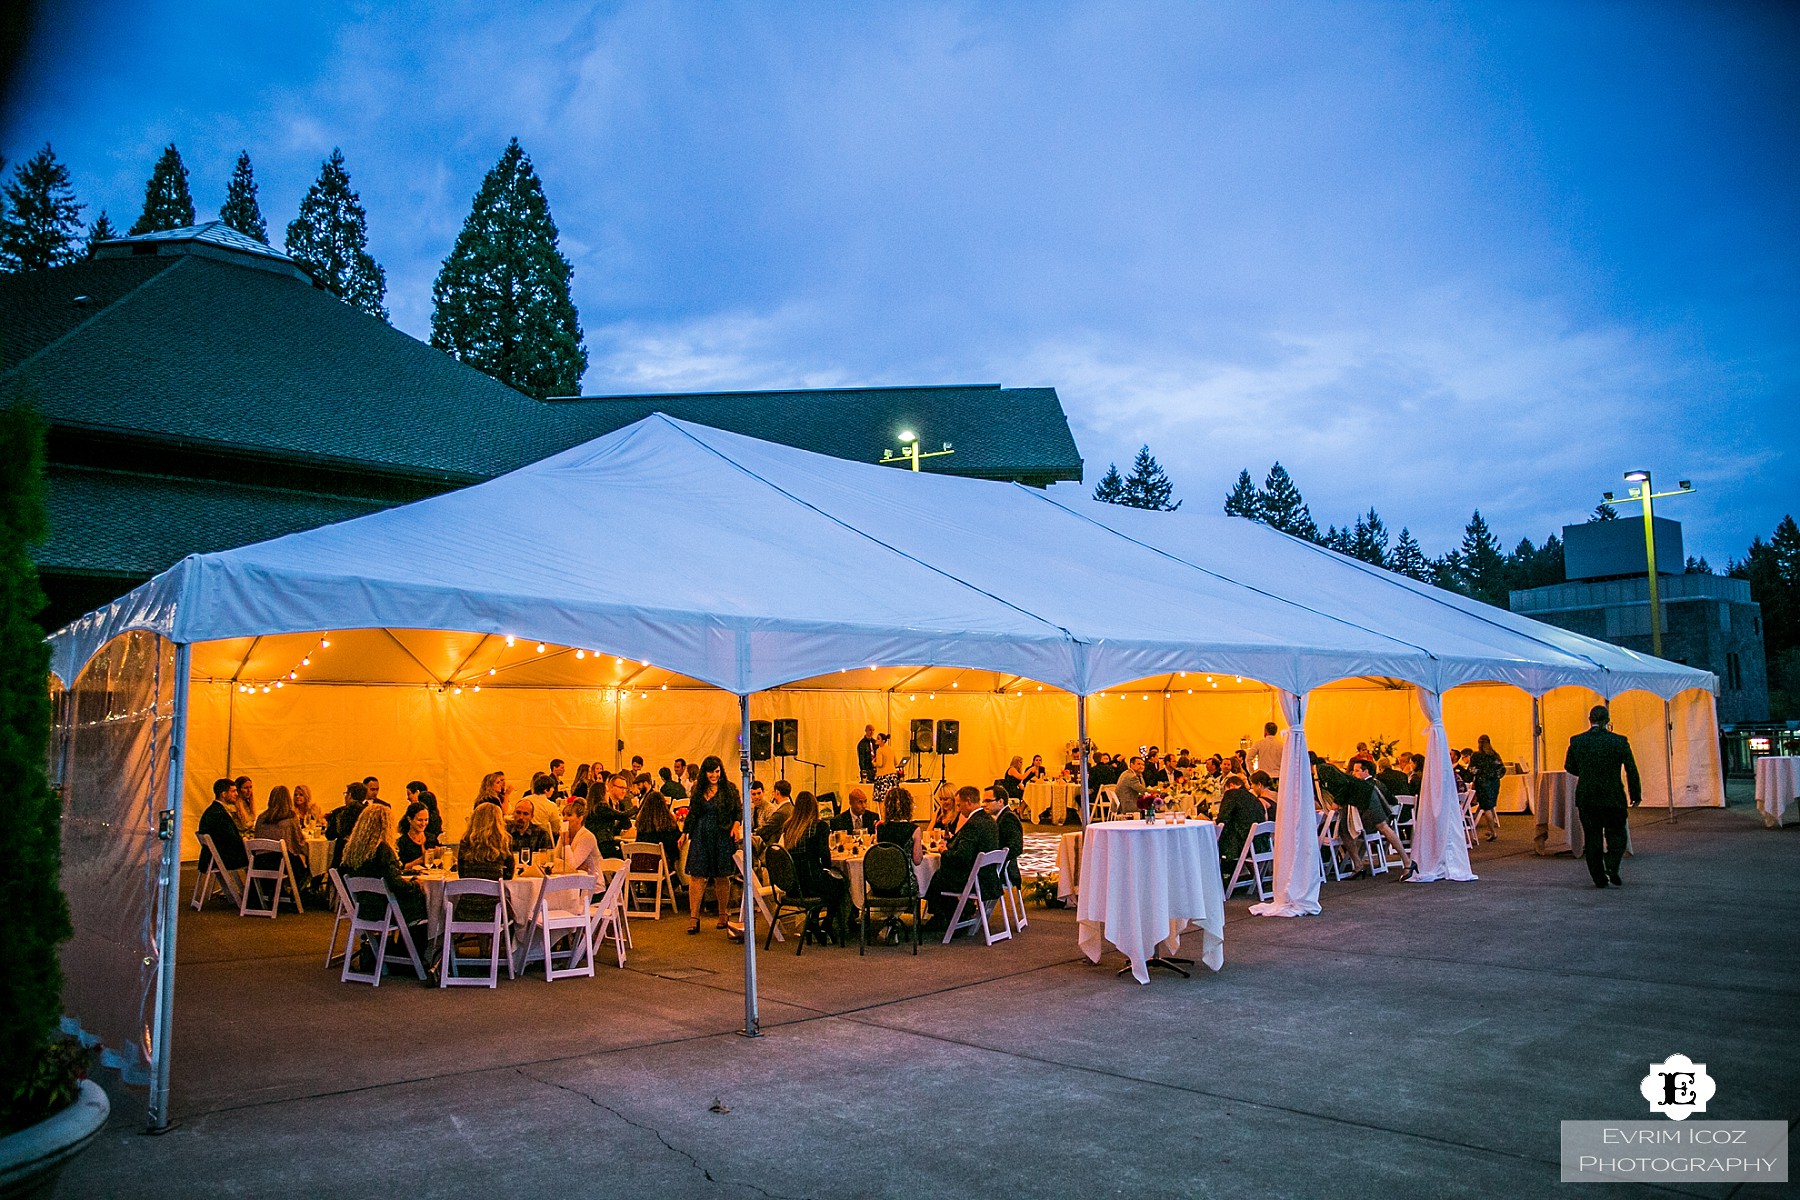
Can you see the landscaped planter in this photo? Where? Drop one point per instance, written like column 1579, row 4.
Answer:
column 31, row 1159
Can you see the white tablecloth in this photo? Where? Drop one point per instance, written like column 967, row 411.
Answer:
column 1068, row 865
column 1515, row 794
column 1777, row 787
column 1053, row 795
column 850, row 866
column 1558, row 826
column 1144, row 885
column 318, row 854
column 521, row 907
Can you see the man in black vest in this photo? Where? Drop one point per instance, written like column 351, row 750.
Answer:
column 1596, row 758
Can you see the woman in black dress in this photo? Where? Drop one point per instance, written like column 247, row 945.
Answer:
column 897, row 827
column 1490, row 770
column 808, row 841
column 713, row 807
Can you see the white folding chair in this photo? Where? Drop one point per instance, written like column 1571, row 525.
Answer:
column 497, row 929
column 639, row 855
column 1254, row 859
column 971, row 896
column 1330, row 844
column 1375, row 848
column 606, row 916
column 765, row 895
column 346, row 911
column 1102, row 807
column 1012, row 897
column 281, row 872
column 1467, row 800
column 391, row 923
column 215, row 874
column 1404, row 820
column 562, row 911
column 618, row 866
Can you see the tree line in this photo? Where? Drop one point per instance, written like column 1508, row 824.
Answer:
column 501, row 302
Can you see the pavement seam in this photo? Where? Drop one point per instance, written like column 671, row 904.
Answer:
column 657, row 1133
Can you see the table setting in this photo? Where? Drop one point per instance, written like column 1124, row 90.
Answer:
column 1777, row 788
column 847, row 852
column 1145, row 883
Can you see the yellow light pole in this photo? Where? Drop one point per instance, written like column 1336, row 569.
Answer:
column 909, row 451
column 1641, row 490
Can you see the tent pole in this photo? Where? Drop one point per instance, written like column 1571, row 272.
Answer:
column 751, row 1028
column 618, row 703
column 1081, row 748
column 168, row 828
column 1669, row 757
column 1537, row 747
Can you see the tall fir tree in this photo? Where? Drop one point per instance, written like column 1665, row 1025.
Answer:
column 330, row 238
column 1336, row 539
column 240, row 210
column 1369, row 539
column 167, row 202
column 1603, row 511
column 1481, row 565
column 1283, row 507
column 1697, row 566
column 30, row 895
column 1407, row 559
column 1111, row 488
column 501, row 302
column 40, row 223
column 1773, row 570
column 1148, row 486
column 1242, row 500
column 102, row 230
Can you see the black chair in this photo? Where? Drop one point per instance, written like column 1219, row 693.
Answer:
column 788, row 900
column 890, row 886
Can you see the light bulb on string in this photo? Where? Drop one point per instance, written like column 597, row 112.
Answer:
column 510, row 639
column 540, row 649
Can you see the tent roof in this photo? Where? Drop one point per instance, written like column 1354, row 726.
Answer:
column 745, row 565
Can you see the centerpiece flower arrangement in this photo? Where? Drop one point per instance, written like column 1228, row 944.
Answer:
column 1153, row 801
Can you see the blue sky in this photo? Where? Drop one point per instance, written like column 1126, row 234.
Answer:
column 1431, row 257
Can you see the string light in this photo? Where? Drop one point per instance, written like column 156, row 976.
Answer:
column 580, row 654
column 510, row 639
column 540, row 647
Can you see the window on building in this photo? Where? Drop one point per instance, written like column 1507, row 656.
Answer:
column 1734, row 676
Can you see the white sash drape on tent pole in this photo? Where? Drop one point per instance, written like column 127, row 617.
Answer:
column 1296, row 891
column 1440, row 848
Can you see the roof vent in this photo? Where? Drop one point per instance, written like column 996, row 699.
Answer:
column 81, row 301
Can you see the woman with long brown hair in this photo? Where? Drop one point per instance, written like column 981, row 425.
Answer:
column 713, row 807
column 808, row 842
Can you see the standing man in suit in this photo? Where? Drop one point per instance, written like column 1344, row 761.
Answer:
column 1595, row 759
column 865, row 756
column 975, row 835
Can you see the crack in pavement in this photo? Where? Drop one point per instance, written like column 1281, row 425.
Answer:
column 657, row 1134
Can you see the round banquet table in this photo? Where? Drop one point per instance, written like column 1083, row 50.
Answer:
column 1143, row 885
column 521, row 910
column 1558, row 825
column 1052, row 796
column 318, row 854
column 850, row 866
column 1777, row 788
column 1068, row 865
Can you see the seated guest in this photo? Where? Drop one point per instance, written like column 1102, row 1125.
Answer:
column 372, row 786
column 434, row 827
column 606, row 816
column 220, row 824
column 584, row 775
column 1239, row 809
column 897, row 828
column 808, row 842
column 305, row 811
column 545, row 812
column 578, row 852
column 1129, row 791
column 526, row 833
column 557, row 767
column 343, row 818
column 1036, row 770
column 244, row 806
column 1262, row 786
column 369, row 854
column 768, row 828
column 1155, row 774
column 858, row 818
column 655, row 823
column 1014, row 779
column 484, row 853
column 976, row 834
column 759, row 803
column 1009, row 829
column 1393, row 779
column 639, row 789
column 493, row 790
column 670, row 789
column 277, row 823
column 413, row 841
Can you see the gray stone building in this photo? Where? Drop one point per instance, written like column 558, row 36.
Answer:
column 1708, row 621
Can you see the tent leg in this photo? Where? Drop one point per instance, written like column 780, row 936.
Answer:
column 1081, row 748
column 168, row 828
column 1537, row 748
column 751, row 1025
column 1669, row 757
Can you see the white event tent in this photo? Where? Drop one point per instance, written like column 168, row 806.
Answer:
column 669, row 581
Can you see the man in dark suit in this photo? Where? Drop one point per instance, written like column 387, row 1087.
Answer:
column 975, row 835
column 1596, row 758
column 1010, row 830
column 859, row 818
column 865, row 756
column 216, row 823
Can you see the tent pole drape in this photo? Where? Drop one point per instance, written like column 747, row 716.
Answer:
column 1081, row 748
column 1295, row 892
column 1537, row 747
column 751, row 1026
column 1669, row 757
column 1440, row 844
column 168, row 828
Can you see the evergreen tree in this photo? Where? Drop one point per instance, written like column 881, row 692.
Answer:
column 1369, row 539
column 1242, row 501
column 1147, row 486
column 38, row 917
column 330, row 238
column 1481, row 566
column 167, row 204
column 1111, row 488
column 1446, row 571
column 1336, row 539
column 1697, row 566
column 40, row 223
column 101, row 230
column 240, row 210
column 501, row 302
column 1407, row 559
column 1773, row 569
column 1603, row 511
column 1283, row 507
